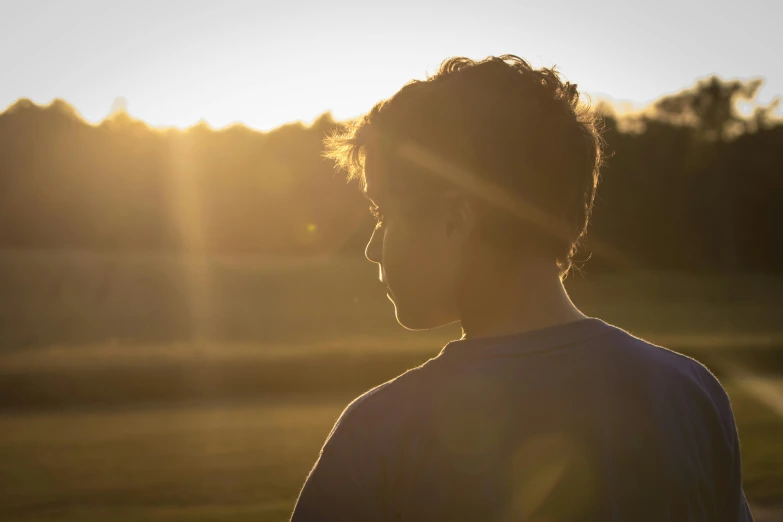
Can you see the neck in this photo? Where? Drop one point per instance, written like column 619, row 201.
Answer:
column 530, row 298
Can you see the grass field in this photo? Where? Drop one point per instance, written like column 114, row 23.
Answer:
column 228, row 462
column 149, row 388
column 78, row 299
column 222, row 462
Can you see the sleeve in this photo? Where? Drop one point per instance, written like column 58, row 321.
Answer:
column 736, row 508
column 733, row 506
column 343, row 485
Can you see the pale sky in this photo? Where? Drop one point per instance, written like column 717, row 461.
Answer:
column 264, row 63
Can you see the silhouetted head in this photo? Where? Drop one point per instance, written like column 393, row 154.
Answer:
column 488, row 165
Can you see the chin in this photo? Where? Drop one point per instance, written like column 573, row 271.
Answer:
column 410, row 320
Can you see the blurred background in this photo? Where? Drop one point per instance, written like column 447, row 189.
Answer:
column 185, row 308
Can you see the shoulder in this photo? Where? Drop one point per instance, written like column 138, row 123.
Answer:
column 629, row 346
column 665, row 364
column 387, row 402
column 676, row 387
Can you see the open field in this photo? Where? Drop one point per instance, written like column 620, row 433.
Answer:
column 228, row 462
column 78, row 299
column 153, row 388
column 221, row 462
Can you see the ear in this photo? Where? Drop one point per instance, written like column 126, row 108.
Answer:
column 461, row 216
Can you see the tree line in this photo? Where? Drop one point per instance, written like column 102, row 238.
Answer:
column 690, row 184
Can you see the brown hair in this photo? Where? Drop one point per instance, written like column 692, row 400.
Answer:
column 500, row 125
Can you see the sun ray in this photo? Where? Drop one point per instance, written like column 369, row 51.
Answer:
column 187, row 214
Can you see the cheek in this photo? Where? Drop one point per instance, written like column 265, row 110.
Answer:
column 415, row 256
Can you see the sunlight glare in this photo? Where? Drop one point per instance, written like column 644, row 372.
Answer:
column 188, row 215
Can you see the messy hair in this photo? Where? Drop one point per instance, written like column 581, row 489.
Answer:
column 494, row 126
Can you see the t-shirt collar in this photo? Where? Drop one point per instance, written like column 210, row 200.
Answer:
column 529, row 341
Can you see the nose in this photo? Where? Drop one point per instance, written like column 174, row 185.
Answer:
column 374, row 249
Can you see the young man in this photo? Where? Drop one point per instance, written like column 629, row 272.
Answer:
column 483, row 178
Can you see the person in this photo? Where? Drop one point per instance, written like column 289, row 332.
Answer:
column 483, row 178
